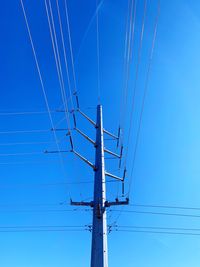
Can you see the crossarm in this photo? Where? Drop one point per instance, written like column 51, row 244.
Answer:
column 82, row 203
column 113, row 176
column 117, row 203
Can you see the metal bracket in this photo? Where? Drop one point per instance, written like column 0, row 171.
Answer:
column 118, row 136
column 82, row 203
column 74, row 118
column 121, row 152
column 116, row 203
column 59, row 129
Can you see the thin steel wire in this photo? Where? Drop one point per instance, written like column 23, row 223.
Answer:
column 42, row 83
column 71, row 49
column 144, row 97
column 136, row 79
column 54, row 41
column 64, row 52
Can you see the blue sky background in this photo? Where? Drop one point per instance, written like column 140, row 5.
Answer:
column 167, row 165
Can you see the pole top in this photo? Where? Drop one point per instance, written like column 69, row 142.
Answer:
column 99, row 106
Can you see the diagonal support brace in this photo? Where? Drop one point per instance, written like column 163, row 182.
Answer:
column 84, row 159
column 113, row 176
column 111, row 153
column 85, row 136
column 86, row 117
column 110, row 134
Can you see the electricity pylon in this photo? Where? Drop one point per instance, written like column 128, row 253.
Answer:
column 99, row 251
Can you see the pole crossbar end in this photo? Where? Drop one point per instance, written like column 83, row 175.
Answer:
column 117, row 202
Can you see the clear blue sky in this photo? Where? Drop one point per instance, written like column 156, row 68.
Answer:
column 167, row 165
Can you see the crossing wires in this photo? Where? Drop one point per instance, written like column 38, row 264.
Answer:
column 136, row 78
column 57, row 58
column 64, row 52
column 71, row 55
column 144, row 95
column 128, row 48
column 42, row 86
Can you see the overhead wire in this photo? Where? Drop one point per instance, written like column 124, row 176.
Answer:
column 158, row 213
column 25, row 143
column 41, row 226
column 42, row 83
column 136, row 80
column 42, row 230
column 165, row 206
column 27, row 162
column 64, row 52
column 124, row 67
column 128, row 56
column 25, row 113
column 44, row 211
column 144, row 95
column 159, row 232
column 50, row 184
column 25, row 131
column 156, row 228
column 20, row 154
column 55, row 47
column 38, row 69
column 71, row 54
column 129, row 41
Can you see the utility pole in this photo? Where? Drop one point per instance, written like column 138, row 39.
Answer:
column 99, row 257
column 99, row 251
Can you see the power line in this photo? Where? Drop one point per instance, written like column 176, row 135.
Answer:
column 156, row 228
column 165, row 206
column 28, row 162
column 44, row 211
column 129, row 40
column 25, row 131
column 71, row 54
column 136, row 78
column 42, row 83
column 64, row 51
column 154, row 206
column 42, row 230
column 159, row 232
column 52, row 184
column 158, row 213
column 26, row 113
column 41, row 226
column 144, row 96
column 20, row 154
column 24, row 143
column 54, row 41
